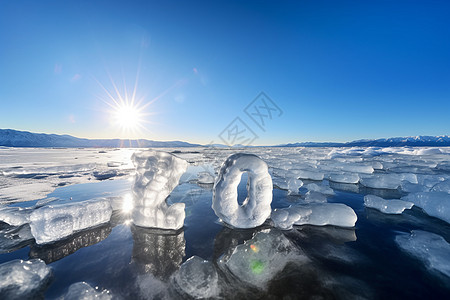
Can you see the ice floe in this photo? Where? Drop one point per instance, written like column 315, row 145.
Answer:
column 55, row 222
column 435, row 204
column 318, row 214
column 393, row 206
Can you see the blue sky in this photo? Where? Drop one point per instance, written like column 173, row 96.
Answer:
column 338, row 70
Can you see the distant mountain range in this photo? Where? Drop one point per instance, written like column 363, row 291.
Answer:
column 429, row 141
column 15, row 138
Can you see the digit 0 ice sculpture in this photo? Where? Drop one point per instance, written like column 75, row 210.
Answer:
column 256, row 207
column 157, row 174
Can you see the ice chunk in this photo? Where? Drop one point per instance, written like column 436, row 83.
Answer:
column 259, row 260
column 436, row 204
column 409, row 187
column 23, row 279
column 55, row 222
column 343, row 177
column 393, row 206
column 326, row 190
column 317, row 197
column 82, row 290
column 293, row 185
column 256, row 207
column 197, row 278
column 15, row 216
column 443, row 186
column 307, row 174
column 205, row 178
column 318, row 214
column 13, row 238
column 432, row 249
column 157, row 174
column 387, row 181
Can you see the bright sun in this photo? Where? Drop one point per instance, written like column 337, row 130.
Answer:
column 127, row 116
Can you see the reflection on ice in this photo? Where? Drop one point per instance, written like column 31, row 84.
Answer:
column 159, row 252
column 56, row 251
column 13, row 238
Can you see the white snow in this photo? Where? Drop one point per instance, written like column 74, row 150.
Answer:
column 318, row 214
column 432, row 249
column 157, row 174
column 256, row 207
column 54, row 222
column 393, row 206
column 436, row 204
column 83, row 291
column 197, row 278
column 23, row 279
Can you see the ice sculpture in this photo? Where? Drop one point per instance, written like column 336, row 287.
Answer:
column 157, row 174
column 256, row 207
column 393, row 206
column 23, row 279
column 198, row 278
column 55, row 222
column 318, row 214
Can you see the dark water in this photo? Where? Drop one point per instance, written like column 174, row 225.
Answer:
column 131, row 261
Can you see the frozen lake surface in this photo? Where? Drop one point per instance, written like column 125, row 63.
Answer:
column 398, row 249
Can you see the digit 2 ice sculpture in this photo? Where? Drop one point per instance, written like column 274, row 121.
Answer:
column 157, row 174
column 256, row 207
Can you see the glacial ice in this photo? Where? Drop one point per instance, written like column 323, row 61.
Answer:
column 393, row 206
column 197, row 278
column 432, row 249
column 436, row 204
column 54, row 222
column 256, row 207
column 157, row 174
column 259, row 260
column 82, row 290
column 318, row 214
column 23, row 279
